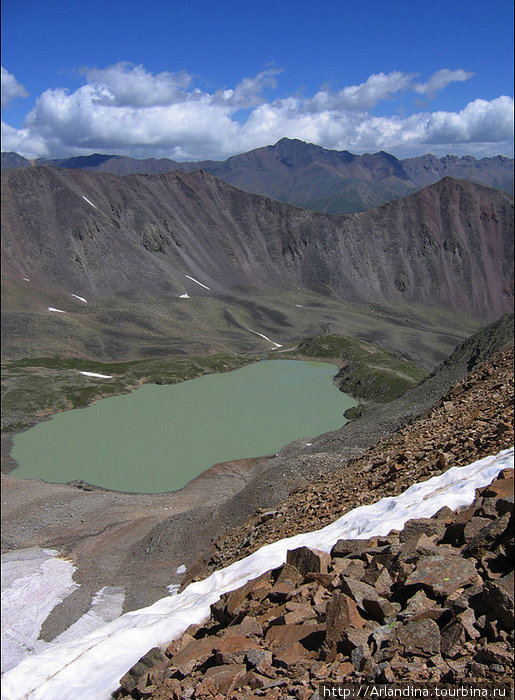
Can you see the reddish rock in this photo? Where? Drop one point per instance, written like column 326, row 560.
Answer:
column 442, row 573
column 451, row 638
column 498, row 595
column 474, row 527
column 342, row 612
column 225, row 677
column 131, row 679
column 305, row 560
column 179, row 644
column 289, row 574
column 256, row 589
column 481, row 544
column 500, row 488
column 248, row 626
column 367, row 598
column 282, row 636
column 233, row 649
column 288, row 656
column 196, row 653
column 421, row 638
column 259, row 659
column 430, row 527
column 380, row 579
column 344, row 548
column 494, row 654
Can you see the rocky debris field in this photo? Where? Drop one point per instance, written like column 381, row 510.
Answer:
column 474, row 419
column 432, row 603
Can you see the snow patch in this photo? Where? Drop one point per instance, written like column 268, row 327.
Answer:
column 180, row 569
column 265, row 337
column 95, row 374
column 197, row 282
column 26, row 279
column 80, row 298
column 90, row 667
column 89, row 202
column 299, row 305
column 107, row 605
column 184, row 296
column 34, row 581
column 59, row 311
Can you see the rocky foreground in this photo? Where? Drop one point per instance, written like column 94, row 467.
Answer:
column 432, row 603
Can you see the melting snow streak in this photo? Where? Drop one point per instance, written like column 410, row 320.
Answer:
column 88, row 201
column 52, row 308
column 197, row 282
column 94, row 374
column 265, row 337
column 80, row 298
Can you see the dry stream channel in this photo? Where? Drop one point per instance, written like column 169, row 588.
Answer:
column 161, row 437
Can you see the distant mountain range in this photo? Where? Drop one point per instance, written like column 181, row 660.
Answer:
column 291, row 171
column 133, row 245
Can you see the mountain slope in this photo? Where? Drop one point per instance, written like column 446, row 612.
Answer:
column 337, row 182
column 448, row 244
column 145, row 240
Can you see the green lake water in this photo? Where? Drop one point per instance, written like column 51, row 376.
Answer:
column 160, row 437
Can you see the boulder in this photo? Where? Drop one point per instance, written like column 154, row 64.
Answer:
column 451, row 637
column 195, row 654
column 442, row 573
column 224, row 677
column 305, row 560
column 259, row 659
column 233, row 649
column 368, row 599
column 498, row 596
column 494, row 654
column 431, row 527
column 344, row 548
column 421, row 638
column 282, row 636
column 342, row 612
column 131, row 679
column 291, row 655
column 481, row 544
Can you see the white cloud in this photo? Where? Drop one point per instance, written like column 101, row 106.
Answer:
column 11, row 88
column 124, row 109
column 248, row 92
column 440, row 79
column 123, row 84
column 377, row 87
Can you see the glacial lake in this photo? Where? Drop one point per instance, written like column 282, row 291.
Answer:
column 160, row 437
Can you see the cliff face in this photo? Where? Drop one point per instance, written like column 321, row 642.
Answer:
column 448, row 245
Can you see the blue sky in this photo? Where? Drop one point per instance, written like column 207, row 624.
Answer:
column 194, row 79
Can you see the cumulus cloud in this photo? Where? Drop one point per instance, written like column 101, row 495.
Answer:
column 11, row 88
column 440, row 79
column 248, row 92
column 377, row 87
column 123, row 84
column 124, row 109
